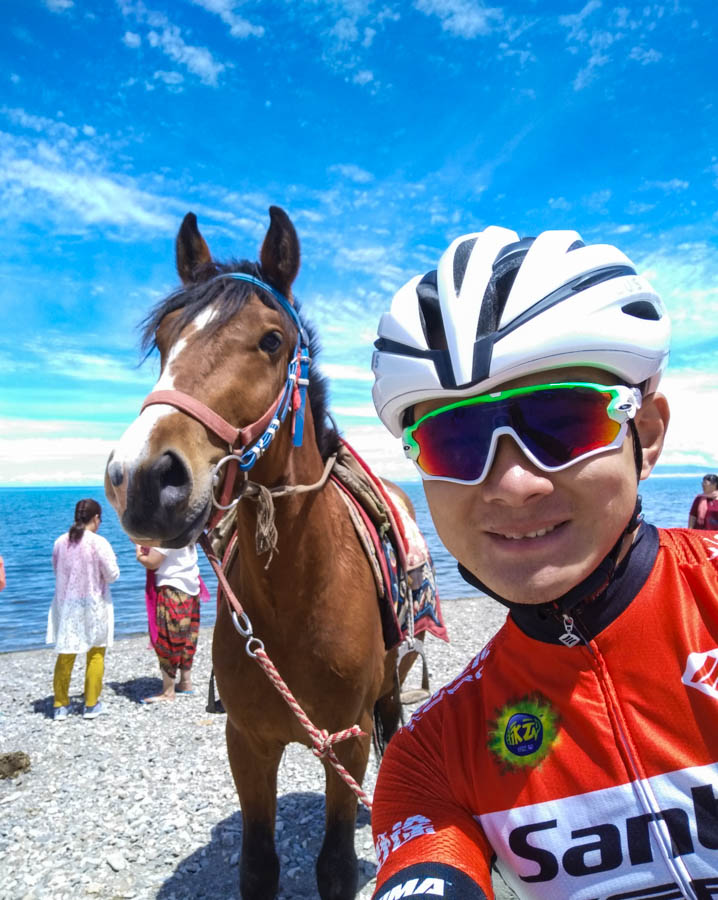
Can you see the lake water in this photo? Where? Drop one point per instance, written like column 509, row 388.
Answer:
column 32, row 518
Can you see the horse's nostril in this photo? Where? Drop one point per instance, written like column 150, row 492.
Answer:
column 116, row 473
column 172, row 478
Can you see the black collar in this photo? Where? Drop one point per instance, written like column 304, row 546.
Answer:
column 544, row 621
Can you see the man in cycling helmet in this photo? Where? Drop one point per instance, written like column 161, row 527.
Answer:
column 578, row 752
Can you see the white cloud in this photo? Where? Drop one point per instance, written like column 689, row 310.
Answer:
column 353, row 173
column 575, row 22
column 131, row 39
column 669, row 187
column 239, row 27
column 639, row 209
column 598, row 200
column 54, row 460
column 339, row 371
column 367, row 411
column 171, row 79
column 599, row 43
column 345, row 30
column 686, row 276
column 615, row 26
column 59, row 5
column 93, row 199
column 61, row 177
column 364, row 76
column 463, row 18
column 198, row 60
column 692, row 437
column 643, row 56
column 89, row 367
column 381, row 451
column 167, row 38
column 56, row 129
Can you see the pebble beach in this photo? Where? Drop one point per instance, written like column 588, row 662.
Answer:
column 140, row 803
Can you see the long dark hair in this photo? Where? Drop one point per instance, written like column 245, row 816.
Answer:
column 85, row 512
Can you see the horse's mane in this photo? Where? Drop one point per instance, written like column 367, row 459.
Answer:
column 192, row 299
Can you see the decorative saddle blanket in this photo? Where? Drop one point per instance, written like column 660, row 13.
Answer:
column 396, row 549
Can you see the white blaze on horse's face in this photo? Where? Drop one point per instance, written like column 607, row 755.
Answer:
column 135, row 443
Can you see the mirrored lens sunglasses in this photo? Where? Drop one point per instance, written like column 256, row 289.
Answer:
column 556, row 425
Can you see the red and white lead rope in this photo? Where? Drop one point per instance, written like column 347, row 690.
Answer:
column 322, row 741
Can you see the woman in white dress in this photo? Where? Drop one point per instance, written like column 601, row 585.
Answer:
column 81, row 618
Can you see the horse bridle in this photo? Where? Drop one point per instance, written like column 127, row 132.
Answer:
column 246, row 445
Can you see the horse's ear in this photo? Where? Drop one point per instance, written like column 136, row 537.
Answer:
column 280, row 251
column 191, row 249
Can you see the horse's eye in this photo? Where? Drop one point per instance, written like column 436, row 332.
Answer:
column 271, row 341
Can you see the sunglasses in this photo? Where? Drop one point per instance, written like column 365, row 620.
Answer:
column 555, row 425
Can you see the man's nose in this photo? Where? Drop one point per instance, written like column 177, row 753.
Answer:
column 513, row 479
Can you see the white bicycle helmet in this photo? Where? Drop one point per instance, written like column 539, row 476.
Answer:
column 499, row 307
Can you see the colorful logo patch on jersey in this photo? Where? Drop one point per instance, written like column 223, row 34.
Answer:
column 523, row 732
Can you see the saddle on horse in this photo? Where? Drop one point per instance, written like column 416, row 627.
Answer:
column 396, row 549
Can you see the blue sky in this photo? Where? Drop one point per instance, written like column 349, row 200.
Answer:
column 384, row 129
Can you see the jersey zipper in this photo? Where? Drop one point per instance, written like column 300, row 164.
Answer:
column 575, row 633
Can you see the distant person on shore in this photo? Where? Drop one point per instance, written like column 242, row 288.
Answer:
column 173, row 594
column 577, row 753
column 81, row 618
column 3, row 581
column 704, row 510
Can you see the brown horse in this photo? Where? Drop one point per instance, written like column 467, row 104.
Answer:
column 230, row 344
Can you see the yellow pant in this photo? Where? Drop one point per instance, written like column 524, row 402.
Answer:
column 94, row 670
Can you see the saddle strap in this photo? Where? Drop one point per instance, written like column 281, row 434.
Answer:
column 364, row 536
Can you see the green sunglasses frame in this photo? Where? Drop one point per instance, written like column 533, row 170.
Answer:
column 623, row 406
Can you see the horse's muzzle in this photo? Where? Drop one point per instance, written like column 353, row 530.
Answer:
column 154, row 500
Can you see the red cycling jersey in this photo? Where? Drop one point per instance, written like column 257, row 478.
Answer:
column 579, row 756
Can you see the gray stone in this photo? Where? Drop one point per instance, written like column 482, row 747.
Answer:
column 116, row 861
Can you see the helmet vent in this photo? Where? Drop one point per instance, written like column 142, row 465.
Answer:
column 506, row 268
column 605, row 274
column 642, row 309
column 432, row 323
column 461, row 260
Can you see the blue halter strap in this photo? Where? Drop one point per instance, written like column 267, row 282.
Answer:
column 301, row 352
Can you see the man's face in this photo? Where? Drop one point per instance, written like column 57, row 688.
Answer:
column 531, row 535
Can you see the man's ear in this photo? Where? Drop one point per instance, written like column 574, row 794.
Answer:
column 651, row 423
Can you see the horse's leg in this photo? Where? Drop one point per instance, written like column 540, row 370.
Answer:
column 388, row 708
column 387, row 715
column 254, row 767
column 337, row 867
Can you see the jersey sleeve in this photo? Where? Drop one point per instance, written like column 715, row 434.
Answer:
column 418, row 823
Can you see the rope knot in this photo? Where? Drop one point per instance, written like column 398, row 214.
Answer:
column 322, row 743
